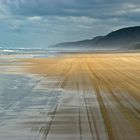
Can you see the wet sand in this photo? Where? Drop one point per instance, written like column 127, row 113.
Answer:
column 80, row 97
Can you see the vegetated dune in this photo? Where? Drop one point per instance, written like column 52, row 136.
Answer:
column 108, row 86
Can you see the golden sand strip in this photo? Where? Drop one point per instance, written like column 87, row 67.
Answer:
column 113, row 78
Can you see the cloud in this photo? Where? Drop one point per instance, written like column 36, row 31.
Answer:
column 98, row 9
column 35, row 18
column 4, row 11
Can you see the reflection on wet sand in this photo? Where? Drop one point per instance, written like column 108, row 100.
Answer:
column 80, row 97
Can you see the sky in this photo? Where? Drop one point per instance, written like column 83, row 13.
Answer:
column 40, row 23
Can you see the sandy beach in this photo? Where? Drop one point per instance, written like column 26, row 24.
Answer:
column 72, row 96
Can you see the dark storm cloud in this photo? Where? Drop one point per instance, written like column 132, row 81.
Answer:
column 92, row 8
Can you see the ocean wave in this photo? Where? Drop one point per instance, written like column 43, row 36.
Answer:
column 8, row 50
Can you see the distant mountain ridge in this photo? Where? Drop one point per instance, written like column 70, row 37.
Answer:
column 122, row 39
